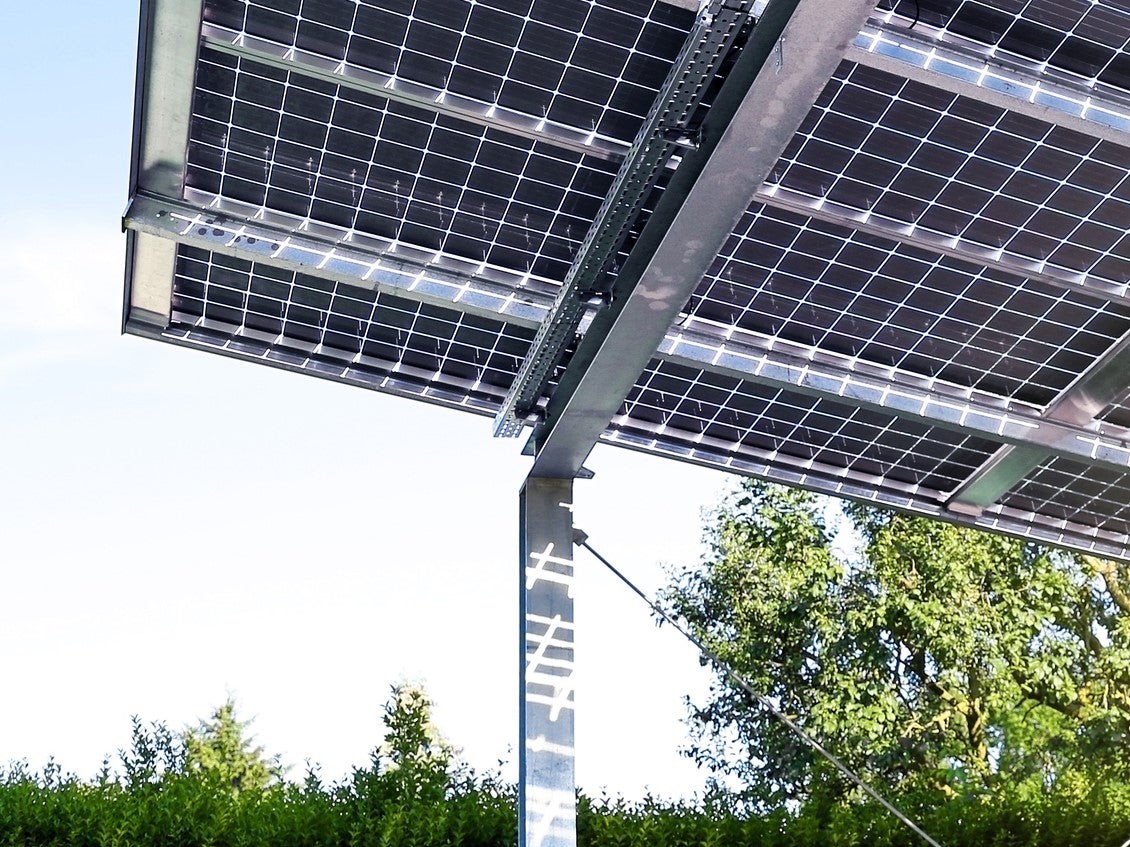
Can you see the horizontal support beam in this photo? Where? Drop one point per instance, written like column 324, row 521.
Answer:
column 405, row 91
column 1039, row 94
column 445, row 280
column 836, row 482
column 1004, row 469
column 827, row 211
column 1105, row 382
column 926, row 401
column 757, row 111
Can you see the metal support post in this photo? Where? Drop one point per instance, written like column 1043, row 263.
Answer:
column 546, row 783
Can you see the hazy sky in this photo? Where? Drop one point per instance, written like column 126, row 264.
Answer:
column 175, row 526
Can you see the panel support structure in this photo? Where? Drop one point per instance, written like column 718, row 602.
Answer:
column 1105, row 382
column 989, row 78
column 165, row 72
column 789, row 57
column 547, row 814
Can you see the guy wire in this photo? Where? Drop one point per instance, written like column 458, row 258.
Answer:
column 580, row 538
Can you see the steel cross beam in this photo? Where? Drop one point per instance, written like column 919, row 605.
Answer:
column 715, row 32
column 1103, row 383
column 821, row 209
column 433, row 278
column 1045, row 95
column 1060, row 431
column 761, row 104
column 439, row 100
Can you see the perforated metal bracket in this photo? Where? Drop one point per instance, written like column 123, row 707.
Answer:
column 719, row 24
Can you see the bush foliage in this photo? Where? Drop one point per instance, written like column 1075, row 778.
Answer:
column 413, row 793
column 371, row 808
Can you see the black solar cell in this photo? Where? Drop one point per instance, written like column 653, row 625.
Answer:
column 817, row 284
column 296, row 313
column 964, row 169
column 305, row 147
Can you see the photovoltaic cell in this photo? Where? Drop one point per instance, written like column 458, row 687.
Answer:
column 937, row 245
column 298, row 145
column 1073, row 492
column 1079, row 37
column 706, row 411
column 274, row 311
column 592, row 66
column 786, row 276
column 906, row 153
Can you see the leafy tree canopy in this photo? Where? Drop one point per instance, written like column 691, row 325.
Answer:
column 414, row 752
column 933, row 656
column 220, row 747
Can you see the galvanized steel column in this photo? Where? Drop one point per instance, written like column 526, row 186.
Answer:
column 546, row 785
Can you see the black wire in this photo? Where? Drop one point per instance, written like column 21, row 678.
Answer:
column 917, row 12
column 581, row 539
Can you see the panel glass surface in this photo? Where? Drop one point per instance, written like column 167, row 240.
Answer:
column 595, row 67
column 1071, row 491
column 821, row 285
column 712, row 412
column 302, row 319
column 908, row 154
column 302, row 146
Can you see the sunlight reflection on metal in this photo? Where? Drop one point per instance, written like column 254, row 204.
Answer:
column 546, row 761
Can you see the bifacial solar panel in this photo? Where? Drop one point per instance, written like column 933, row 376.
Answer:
column 877, row 250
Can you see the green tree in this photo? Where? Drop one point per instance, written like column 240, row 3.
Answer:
column 414, row 753
column 221, row 748
column 936, row 655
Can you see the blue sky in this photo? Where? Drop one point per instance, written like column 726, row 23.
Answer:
column 175, row 527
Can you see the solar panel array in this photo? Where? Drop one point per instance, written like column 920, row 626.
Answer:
column 924, row 305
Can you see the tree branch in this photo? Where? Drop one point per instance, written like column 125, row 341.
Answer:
column 1109, row 571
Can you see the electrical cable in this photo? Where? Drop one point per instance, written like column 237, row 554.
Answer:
column 580, row 539
column 913, row 24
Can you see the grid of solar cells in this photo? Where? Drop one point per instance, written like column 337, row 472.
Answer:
column 1070, row 491
column 577, row 63
column 302, row 146
column 346, row 325
column 1085, row 38
column 785, row 275
column 712, row 411
column 906, row 153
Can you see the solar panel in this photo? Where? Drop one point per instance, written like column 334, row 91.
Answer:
column 909, row 155
column 877, row 251
column 909, row 286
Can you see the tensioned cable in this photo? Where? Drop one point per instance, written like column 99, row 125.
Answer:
column 580, row 538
